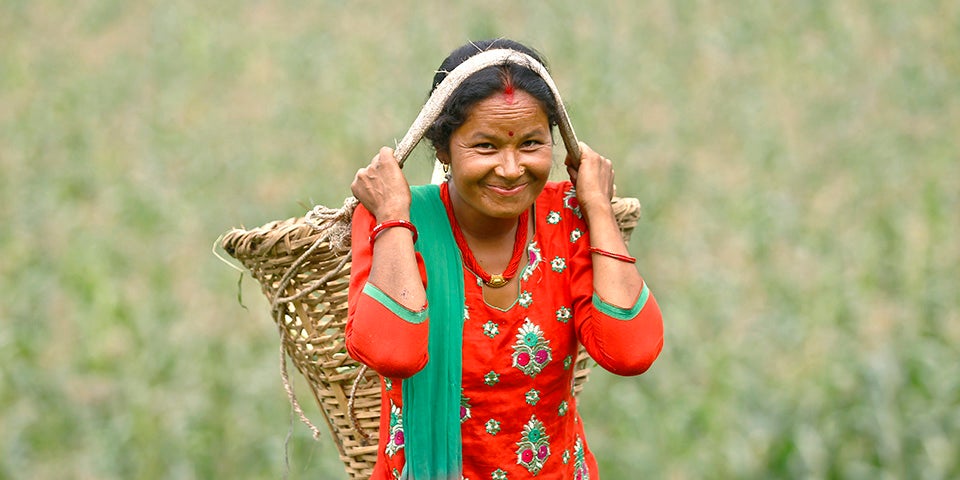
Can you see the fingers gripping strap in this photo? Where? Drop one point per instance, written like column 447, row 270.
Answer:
column 500, row 56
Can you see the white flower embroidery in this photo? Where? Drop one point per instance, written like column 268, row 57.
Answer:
column 525, row 299
column 553, row 217
column 491, row 329
column 492, row 426
column 558, row 264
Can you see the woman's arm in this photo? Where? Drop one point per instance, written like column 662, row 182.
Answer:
column 621, row 324
column 615, row 281
column 384, row 192
column 387, row 328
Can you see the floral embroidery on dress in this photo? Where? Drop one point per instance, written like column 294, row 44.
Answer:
column 491, row 329
column 464, row 407
column 532, row 351
column 525, row 299
column 395, row 442
column 580, row 471
column 553, row 217
column 558, row 264
column 534, row 446
column 387, row 384
column 564, row 314
column 396, row 474
column 534, row 255
column 570, row 201
column 565, row 456
column 499, row 474
column 492, row 426
column 575, row 235
column 562, row 409
column 567, row 361
column 491, row 378
column 532, row 396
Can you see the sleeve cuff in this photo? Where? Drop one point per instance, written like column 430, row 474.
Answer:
column 618, row 313
column 395, row 307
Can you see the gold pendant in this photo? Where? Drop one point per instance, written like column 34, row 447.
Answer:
column 496, row 281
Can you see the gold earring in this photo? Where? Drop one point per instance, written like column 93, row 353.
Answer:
column 446, row 167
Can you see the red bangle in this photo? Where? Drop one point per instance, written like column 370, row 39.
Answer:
column 377, row 230
column 615, row 256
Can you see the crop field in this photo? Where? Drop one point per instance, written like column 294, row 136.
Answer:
column 797, row 162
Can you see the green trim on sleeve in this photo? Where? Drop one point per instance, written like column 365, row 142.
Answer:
column 618, row 313
column 394, row 306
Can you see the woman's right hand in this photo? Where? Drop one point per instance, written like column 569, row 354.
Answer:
column 382, row 188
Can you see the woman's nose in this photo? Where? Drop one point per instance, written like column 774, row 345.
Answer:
column 510, row 164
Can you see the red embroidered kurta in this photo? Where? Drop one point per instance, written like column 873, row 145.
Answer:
column 518, row 414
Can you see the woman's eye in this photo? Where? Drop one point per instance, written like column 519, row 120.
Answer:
column 531, row 144
column 484, row 146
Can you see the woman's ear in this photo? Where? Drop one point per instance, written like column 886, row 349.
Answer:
column 444, row 157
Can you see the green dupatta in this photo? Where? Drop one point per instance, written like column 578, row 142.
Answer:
column 431, row 398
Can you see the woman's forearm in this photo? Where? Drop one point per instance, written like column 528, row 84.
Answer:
column 616, row 281
column 394, row 268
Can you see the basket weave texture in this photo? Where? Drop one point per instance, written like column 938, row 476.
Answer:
column 310, row 312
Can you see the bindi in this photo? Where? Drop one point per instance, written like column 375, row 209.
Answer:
column 510, row 133
column 508, row 91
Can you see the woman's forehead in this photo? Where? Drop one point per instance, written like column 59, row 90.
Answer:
column 515, row 108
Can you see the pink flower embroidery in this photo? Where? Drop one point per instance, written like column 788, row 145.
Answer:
column 531, row 343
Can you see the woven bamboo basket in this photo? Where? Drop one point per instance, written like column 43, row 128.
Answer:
column 303, row 266
column 312, row 325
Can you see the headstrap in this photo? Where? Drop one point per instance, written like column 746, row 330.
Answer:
column 335, row 223
column 488, row 58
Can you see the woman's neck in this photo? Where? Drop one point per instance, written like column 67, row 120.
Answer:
column 481, row 228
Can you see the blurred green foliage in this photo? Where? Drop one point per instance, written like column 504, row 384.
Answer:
column 797, row 162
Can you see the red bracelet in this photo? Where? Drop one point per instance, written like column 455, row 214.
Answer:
column 615, row 256
column 377, row 230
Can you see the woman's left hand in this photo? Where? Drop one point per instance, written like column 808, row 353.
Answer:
column 592, row 175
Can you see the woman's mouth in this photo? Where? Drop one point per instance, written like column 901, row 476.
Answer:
column 507, row 191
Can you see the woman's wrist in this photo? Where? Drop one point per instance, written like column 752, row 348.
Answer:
column 380, row 227
column 387, row 214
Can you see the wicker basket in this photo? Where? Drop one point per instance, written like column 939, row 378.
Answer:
column 312, row 314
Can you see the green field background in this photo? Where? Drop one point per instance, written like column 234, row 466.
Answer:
column 797, row 162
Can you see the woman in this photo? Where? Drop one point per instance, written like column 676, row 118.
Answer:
column 474, row 326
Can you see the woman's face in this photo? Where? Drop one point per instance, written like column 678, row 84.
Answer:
column 500, row 158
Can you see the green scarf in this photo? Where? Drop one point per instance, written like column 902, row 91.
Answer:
column 431, row 398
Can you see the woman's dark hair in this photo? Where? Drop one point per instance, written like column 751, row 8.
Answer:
column 483, row 84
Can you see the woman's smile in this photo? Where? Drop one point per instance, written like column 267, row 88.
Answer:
column 508, row 191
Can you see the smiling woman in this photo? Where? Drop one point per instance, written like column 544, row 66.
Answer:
column 475, row 364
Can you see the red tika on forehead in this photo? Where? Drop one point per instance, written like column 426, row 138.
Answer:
column 508, row 90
